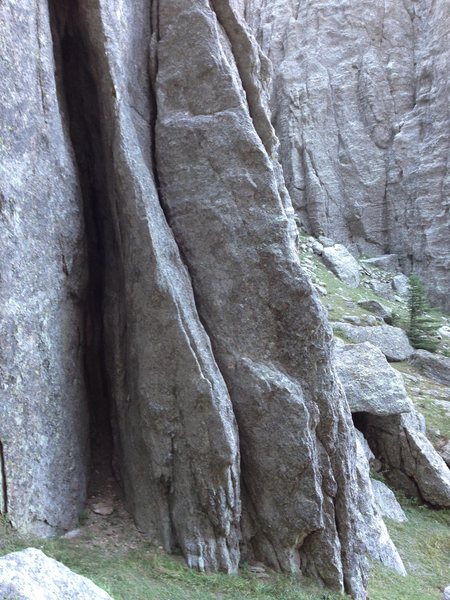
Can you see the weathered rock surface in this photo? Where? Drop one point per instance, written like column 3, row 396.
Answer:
column 446, row 593
column 400, row 285
column 195, row 335
column 360, row 103
column 434, row 366
column 176, row 446
column 387, row 262
column 377, row 396
column 43, row 405
column 410, row 460
column 375, row 534
column 222, row 199
column 383, row 289
column 392, row 341
column 31, row 575
column 370, row 456
column 377, row 309
column 387, row 502
column 339, row 260
column 444, row 452
column 371, row 384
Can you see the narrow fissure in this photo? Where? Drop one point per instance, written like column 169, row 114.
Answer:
column 79, row 97
column 3, row 488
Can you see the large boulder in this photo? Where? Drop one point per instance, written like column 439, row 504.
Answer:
column 433, row 366
column 233, row 224
column 360, row 101
column 397, row 438
column 387, row 502
column 410, row 461
column 400, row 285
column 31, row 575
column 382, row 288
column 386, row 262
column 377, row 540
column 377, row 309
column 371, row 384
column 345, row 266
column 392, row 341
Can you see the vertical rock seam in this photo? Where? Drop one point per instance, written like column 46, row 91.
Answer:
column 3, row 484
column 80, row 102
column 175, row 439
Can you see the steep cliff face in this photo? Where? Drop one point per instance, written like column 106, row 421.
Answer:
column 150, row 284
column 43, row 404
column 360, row 104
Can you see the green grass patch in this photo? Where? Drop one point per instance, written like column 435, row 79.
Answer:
column 341, row 299
column 146, row 573
column 424, row 545
column 424, row 394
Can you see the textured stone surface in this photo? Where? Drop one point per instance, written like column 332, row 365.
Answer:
column 387, row 503
column 377, row 309
column 444, row 451
column 410, row 461
column 371, row 385
column 400, row 285
column 387, row 262
column 376, row 396
column 175, row 434
column 446, row 593
column 434, row 366
column 375, row 534
column 383, row 289
column 339, row 260
column 31, row 575
column 222, row 199
column 43, row 407
column 360, row 103
column 392, row 341
column 195, row 316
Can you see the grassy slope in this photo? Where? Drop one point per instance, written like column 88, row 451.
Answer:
column 424, row 545
column 146, row 573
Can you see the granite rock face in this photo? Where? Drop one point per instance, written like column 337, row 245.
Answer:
column 370, row 384
column 31, row 575
column 434, row 366
column 339, row 260
column 387, row 502
column 43, row 403
column 223, row 203
column 151, row 285
column 377, row 309
column 360, row 104
column 386, row 417
column 409, row 459
column 375, row 534
column 392, row 341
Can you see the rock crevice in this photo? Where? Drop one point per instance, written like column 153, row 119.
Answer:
column 153, row 289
